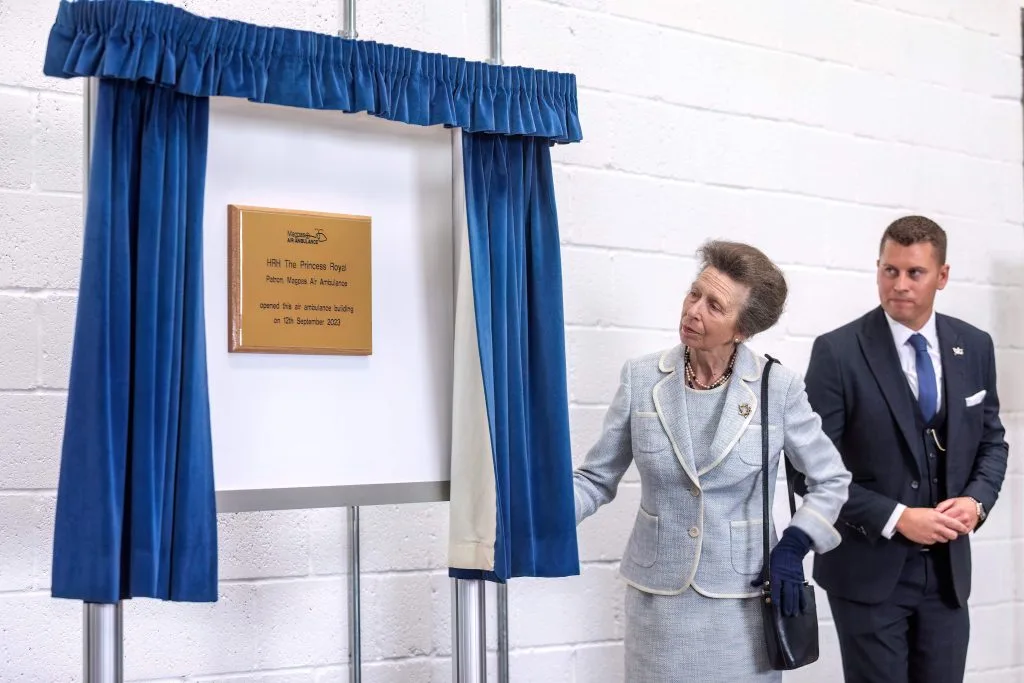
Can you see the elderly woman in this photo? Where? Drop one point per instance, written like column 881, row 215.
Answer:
column 690, row 419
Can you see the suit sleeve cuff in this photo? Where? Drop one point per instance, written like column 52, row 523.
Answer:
column 890, row 527
column 981, row 494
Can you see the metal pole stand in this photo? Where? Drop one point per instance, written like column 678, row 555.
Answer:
column 502, row 588
column 355, row 654
column 469, row 632
column 102, row 656
column 355, row 647
column 502, row 599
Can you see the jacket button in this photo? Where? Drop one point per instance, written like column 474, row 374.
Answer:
column 694, row 532
column 914, row 485
column 694, row 491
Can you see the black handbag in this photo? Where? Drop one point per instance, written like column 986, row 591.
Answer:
column 792, row 641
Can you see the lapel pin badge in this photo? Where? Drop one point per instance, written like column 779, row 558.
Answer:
column 744, row 409
column 958, row 351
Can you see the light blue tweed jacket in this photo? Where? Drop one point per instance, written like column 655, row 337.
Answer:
column 703, row 529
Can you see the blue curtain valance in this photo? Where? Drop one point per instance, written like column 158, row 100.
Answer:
column 152, row 42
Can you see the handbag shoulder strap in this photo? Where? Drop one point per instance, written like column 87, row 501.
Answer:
column 766, row 500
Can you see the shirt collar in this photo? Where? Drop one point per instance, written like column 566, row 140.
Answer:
column 901, row 333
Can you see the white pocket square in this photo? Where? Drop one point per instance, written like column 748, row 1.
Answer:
column 975, row 399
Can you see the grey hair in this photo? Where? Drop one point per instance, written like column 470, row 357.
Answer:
column 747, row 265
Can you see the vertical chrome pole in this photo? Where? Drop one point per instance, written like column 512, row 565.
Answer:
column 348, row 12
column 495, row 31
column 355, row 641
column 102, row 624
column 355, row 656
column 102, row 655
column 502, row 588
column 469, row 647
column 469, row 602
column 89, row 86
column 469, row 651
column 502, row 618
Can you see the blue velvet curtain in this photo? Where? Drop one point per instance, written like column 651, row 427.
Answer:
column 135, row 503
column 517, row 289
column 135, row 510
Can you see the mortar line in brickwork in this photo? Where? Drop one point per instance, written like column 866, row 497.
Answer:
column 782, row 193
column 561, row 647
column 438, row 571
column 14, row 89
column 36, row 293
column 48, row 194
column 282, row 579
column 40, row 342
column 36, row 391
column 926, row 17
column 586, row 246
column 32, row 593
column 422, row 657
column 606, row 564
column 33, row 145
column 219, row 677
column 588, row 404
column 766, row 48
column 822, row 128
column 615, row 327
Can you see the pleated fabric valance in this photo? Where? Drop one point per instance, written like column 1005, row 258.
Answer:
column 162, row 44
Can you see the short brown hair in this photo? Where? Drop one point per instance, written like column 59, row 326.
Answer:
column 749, row 266
column 916, row 230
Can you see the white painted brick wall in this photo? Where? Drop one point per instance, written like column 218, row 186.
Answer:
column 800, row 126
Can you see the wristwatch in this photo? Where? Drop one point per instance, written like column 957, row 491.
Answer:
column 981, row 510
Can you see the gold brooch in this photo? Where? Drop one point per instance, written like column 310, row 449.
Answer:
column 744, row 409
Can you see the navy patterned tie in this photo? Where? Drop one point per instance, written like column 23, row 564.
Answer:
column 927, row 389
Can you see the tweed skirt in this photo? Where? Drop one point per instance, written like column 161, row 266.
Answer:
column 689, row 637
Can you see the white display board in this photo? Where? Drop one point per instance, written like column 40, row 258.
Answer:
column 309, row 431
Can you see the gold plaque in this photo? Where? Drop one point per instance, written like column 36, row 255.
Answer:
column 300, row 282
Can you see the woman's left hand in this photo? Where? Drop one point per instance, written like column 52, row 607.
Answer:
column 787, row 571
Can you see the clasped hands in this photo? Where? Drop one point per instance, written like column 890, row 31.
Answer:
column 946, row 522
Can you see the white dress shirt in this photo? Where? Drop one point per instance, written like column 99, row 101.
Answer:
column 901, row 335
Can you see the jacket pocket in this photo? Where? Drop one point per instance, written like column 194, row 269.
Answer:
column 648, row 434
column 643, row 543
column 746, row 546
column 749, row 446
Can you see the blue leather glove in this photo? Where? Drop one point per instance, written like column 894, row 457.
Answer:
column 787, row 565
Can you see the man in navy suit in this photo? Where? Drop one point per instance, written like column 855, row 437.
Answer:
column 909, row 398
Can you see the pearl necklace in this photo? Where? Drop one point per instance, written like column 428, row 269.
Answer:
column 691, row 375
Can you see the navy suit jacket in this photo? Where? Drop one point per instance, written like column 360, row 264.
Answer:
column 855, row 383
